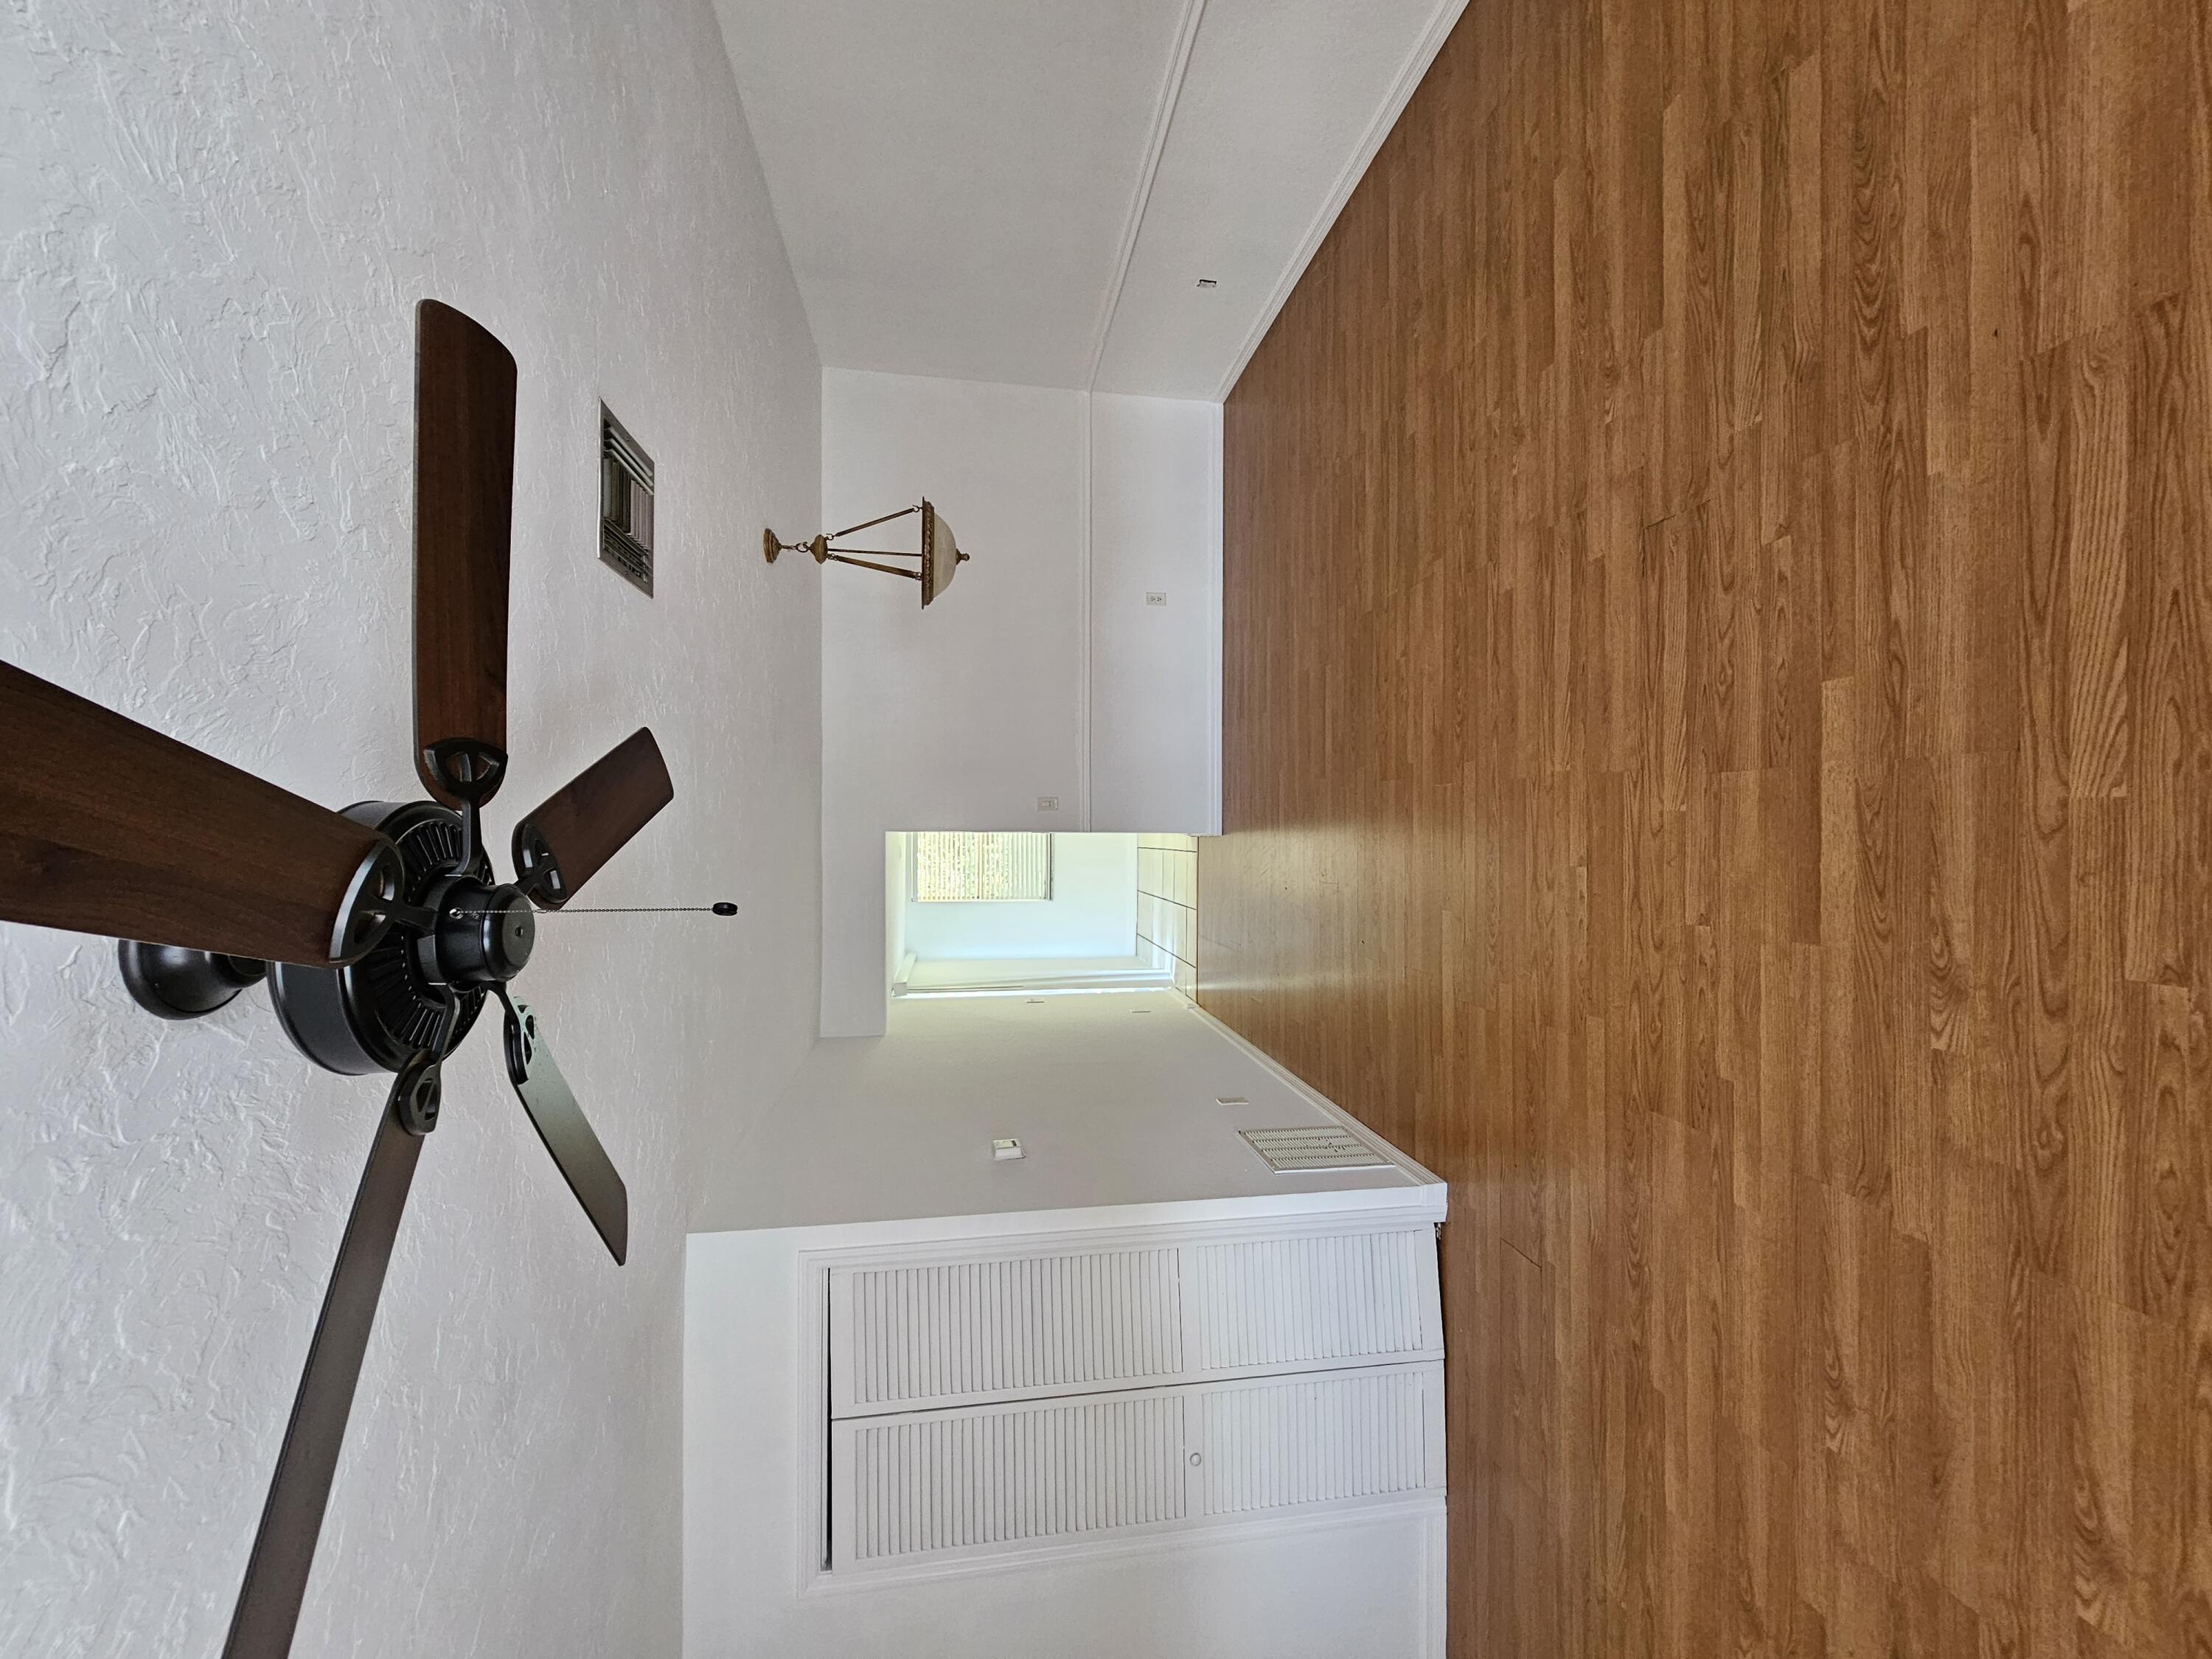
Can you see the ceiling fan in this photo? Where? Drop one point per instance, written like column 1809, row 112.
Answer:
column 382, row 929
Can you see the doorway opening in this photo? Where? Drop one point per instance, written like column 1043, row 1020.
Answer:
column 985, row 913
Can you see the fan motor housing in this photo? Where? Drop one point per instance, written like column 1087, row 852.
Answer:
column 372, row 1014
column 485, row 933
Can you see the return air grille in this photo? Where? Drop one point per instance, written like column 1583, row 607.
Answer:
column 626, row 475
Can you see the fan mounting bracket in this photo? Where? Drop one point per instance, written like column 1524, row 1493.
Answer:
column 365, row 912
column 536, row 871
column 418, row 1094
column 467, row 770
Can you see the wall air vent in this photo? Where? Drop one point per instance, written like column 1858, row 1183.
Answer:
column 625, row 503
column 1292, row 1152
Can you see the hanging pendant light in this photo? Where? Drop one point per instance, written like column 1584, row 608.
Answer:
column 940, row 557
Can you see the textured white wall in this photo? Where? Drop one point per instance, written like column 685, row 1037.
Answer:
column 1155, row 670
column 1042, row 664
column 214, row 219
column 961, row 718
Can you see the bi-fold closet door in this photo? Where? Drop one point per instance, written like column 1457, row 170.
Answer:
column 1012, row 1401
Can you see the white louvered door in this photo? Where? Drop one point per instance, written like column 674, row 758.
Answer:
column 1331, row 1437
column 1322, row 1300
column 1043, row 1399
column 907, row 1336
column 995, row 1476
column 987, row 1481
column 938, row 1334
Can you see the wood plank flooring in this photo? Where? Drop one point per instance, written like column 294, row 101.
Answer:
column 1719, row 764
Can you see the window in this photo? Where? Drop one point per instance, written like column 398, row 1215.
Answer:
column 953, row 866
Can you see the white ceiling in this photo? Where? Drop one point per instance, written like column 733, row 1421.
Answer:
column 1029, row 190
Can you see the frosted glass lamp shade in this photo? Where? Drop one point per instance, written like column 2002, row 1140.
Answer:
column 941, row 556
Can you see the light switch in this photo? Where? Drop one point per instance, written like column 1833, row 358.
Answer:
column 1001, row 1150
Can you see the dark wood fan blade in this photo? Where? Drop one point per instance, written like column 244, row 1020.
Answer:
column 566, row 841
column 566, row 1132
column 463, row 512
column 284, row 1548
column 108, row 827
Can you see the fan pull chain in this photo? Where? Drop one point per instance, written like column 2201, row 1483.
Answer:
column 721, row 908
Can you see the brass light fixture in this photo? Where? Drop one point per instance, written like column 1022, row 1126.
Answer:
column 940, row 555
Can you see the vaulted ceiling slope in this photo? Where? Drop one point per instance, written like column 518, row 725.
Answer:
column 1029, row 191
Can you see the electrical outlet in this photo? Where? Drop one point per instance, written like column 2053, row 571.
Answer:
column 1155, row 598
column 1047, row 803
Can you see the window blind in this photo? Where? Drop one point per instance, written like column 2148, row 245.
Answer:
column 964, row 865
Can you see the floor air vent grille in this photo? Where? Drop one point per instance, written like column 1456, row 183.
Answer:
column 1289, row 1152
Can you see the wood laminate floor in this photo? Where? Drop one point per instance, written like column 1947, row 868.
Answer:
column 1719, row 764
